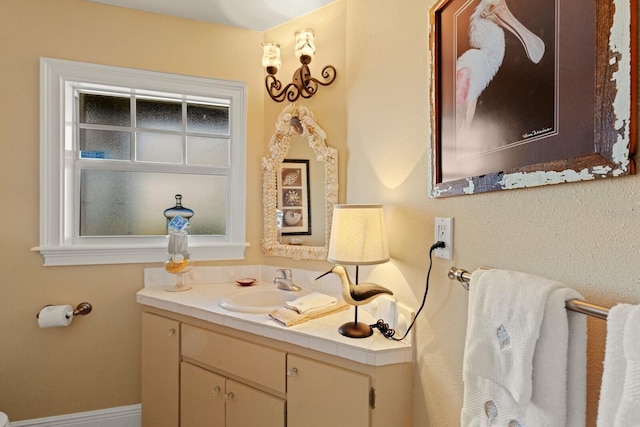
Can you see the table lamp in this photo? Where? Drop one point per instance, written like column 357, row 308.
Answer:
column 358, row 237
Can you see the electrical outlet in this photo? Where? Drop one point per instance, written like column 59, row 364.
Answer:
column 444, row 233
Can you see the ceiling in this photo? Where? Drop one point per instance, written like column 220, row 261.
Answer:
column 259, row 15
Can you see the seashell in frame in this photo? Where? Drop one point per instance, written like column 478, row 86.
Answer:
column 292, row 218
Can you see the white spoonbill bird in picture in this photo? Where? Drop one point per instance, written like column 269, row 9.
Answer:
column 477, row 66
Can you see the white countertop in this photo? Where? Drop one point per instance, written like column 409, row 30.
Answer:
column 321, row 334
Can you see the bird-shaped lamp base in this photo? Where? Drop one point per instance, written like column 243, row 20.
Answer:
column 355, row 330
column 356, row 294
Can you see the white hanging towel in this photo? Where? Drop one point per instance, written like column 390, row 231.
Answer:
column 525, row 354
column 620, row 391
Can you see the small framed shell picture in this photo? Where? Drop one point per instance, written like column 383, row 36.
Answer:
column 293, row 197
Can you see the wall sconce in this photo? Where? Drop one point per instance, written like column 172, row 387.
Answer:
column 302, row 83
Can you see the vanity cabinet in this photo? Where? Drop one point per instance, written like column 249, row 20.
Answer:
column 160, row 371
column 208, row 399
column 206, row 395
column 205, row 374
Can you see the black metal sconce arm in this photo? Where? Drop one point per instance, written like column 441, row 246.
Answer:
column 302, row 84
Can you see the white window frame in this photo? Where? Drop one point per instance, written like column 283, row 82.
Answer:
column 59, row 243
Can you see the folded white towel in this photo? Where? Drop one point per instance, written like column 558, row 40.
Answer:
column 620, row 391
column 310, row 302
column 525, row 358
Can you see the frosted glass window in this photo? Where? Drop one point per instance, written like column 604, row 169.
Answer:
column 162, row 115
column 105, row 144
column 157, row 147
column 208, row 119
column 118, row 144
column 207, row 151
column 104, row 110
column 116, row 203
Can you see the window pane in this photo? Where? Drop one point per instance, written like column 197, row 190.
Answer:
column 208, row 119
column 161, row 148
column 105, row 144
column 131, row 203
column 207, row 151
column 105, row 110
column 159, row 115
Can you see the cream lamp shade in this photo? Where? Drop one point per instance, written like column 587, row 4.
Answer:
column 358, row 235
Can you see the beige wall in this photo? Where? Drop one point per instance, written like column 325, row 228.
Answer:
column 376, row 113
column 94, row 363
column 586, row 235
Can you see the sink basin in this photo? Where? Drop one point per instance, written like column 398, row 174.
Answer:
column 257, row 300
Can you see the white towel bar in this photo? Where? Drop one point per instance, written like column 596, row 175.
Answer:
column 579, row 306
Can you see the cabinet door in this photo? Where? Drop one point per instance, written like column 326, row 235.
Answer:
column 160, row 371
column 201, row 397
column 248, row 407
column 321, row 395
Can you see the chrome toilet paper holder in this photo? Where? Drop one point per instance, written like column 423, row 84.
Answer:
column 82, row 309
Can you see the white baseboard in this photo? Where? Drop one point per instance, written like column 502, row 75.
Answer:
column 123, row 416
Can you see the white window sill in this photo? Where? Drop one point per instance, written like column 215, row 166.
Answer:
column 118, row 254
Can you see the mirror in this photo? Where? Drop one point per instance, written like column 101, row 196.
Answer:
column 300, row 180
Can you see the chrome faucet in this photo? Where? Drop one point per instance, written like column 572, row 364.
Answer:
column 285, row 281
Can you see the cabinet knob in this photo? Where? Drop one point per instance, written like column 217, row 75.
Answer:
column 216, row 390
column 228, row 396
column 292, row 372
column 171, row 332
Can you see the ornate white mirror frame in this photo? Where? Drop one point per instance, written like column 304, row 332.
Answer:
column 293, row 121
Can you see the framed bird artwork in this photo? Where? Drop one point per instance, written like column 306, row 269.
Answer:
column 530, row 93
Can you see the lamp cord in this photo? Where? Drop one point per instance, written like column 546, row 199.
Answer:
column 384, row 328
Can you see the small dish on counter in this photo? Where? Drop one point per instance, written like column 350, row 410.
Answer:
column 246, row 281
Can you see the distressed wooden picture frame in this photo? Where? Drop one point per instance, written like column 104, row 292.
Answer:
column 562, row 109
